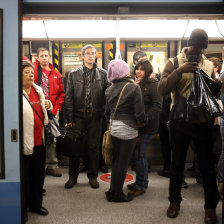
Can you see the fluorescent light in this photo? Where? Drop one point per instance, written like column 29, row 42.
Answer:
column 33, row 29
column 81, row 29
column 208, row 25
column 152, row 29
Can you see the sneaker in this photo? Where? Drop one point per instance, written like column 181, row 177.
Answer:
column 173, row 210
column 94, row 183
column 70, row 183
column 135, row 192
column 164, row 173
column 184, row 184
column 53, row 172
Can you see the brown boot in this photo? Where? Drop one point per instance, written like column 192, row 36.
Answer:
column 94, row 183
column 70, row 183
column 173, row 210
column 53, row 172
column 135, row 192
column 220, row 189
column 210, row 216
column 131, row 186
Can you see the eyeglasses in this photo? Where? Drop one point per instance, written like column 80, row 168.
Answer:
column 90, row 53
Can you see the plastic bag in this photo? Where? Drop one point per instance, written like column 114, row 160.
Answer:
column 202, row 106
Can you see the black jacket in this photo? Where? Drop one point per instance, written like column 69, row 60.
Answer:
column 131, row 105
column 153, row 105
column 75, row 93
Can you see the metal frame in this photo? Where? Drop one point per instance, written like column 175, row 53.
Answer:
column 2, row 145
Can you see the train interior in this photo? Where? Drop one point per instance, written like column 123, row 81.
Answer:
column 161, row 37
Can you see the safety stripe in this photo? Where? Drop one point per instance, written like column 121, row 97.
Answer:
column 111, row 52
column 55, row 55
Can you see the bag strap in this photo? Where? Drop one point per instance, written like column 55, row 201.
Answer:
column 39, row 75
column 118, row 103
column 34, row 109
column 176, row 64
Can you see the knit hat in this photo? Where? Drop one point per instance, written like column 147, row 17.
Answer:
column 198, row 36
column 117, row 69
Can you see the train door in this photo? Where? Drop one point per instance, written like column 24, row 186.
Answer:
column 10, row 112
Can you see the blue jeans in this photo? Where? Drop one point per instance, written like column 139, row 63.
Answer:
column 221, row 158
column 141, row 182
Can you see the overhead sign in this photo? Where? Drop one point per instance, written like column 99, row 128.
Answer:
column 80, row 44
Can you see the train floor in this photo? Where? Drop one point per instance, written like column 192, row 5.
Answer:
column 84, row 205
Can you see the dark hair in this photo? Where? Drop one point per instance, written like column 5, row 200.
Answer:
column 26, row 63
column 42, row 49
column 147, row 67
column 86, row 47
column 217, row 63
column 138, row 54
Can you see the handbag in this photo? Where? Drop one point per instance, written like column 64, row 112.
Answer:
column 107, row 146
column 48, row 136
column 70, row 142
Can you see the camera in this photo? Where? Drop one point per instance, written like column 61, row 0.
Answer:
column 193, row 58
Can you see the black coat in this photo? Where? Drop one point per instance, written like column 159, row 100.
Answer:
column 75, row 93
column 131, row 105
column 153, row 105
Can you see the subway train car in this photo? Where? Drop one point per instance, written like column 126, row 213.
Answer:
column 117, row 28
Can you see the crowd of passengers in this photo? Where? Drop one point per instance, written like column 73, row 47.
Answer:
column 147, row 105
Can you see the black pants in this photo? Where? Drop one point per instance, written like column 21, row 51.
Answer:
column 123, row 150
column 201, row 134
column 165, row 145
column 34, row 166
column 92, row 127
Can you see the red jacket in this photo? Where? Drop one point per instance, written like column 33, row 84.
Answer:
column 56, row 90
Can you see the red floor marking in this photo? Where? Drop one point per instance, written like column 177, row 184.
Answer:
column 107, row 176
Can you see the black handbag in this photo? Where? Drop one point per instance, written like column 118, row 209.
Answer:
column 48, row 136
column 70, row 142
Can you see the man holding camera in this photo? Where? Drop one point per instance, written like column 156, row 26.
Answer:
column 176, row 79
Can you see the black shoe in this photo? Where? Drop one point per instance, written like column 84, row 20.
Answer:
column 109, row 196
column 104, row 169
column 41, row 211
column 71, row 182
column 173, row 210
column 184, row 184
column 164, row 173
column 43, row 191
column 122, row 198
column 94, row 183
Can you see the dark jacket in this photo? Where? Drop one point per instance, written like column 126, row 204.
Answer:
column 153, row 105
column 75, row 93
column 131, row 105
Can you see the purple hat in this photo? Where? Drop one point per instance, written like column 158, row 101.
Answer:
column 117, row 69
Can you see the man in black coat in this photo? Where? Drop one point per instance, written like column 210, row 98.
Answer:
column 84, row 109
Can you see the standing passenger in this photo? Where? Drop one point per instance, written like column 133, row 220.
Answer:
column 50, row 81
column 178, row 82
column 34, row 148
column 124, row 130
column 153, row 104
column 84, row 107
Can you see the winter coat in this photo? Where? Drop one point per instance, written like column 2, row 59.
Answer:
column 56, row 90
column 75, row 93
column 28, row 120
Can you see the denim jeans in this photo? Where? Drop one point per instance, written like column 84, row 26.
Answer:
column 220, row 169
column 141, row 182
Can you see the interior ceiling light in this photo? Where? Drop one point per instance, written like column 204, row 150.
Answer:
column 128, row 29
column 34, row 29
column 208, row 25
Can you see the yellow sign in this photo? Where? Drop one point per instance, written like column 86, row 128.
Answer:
column 80, row 44
column 151, row 44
